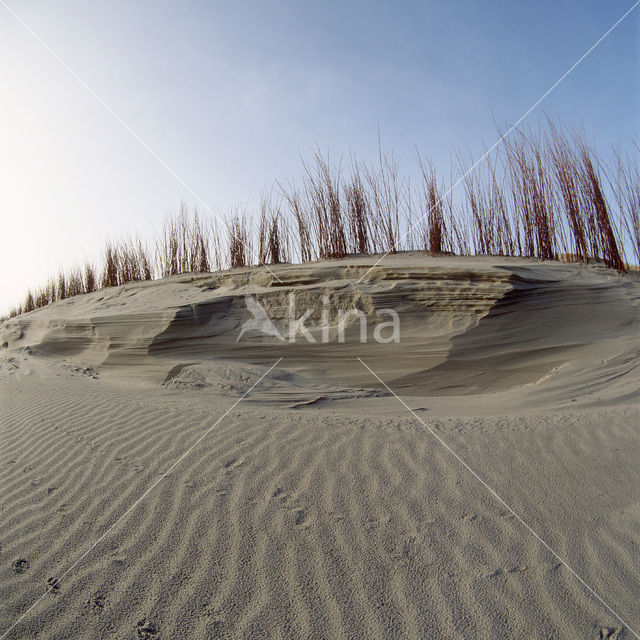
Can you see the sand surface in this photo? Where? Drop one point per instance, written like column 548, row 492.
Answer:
column 161, row 479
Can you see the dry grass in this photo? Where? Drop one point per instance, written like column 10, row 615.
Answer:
column 239, row 239
column 544, row 194
column 434, row 231
column 626, row 182
column 89, row 282
column 294, row 198
column 183, row 247
column 385, row 199
column 356, row 200
column 272, row 234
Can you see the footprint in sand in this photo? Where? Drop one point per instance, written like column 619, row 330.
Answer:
column 147, row 630
column 304, row 518
column 410, row 549
column 609, row 633
column 97, row 603
column 280, row 494
column 54, row 584
column 232, row 463
column 21, row 565
column 519, row 569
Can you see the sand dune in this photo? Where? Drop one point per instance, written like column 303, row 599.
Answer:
column 318, row 506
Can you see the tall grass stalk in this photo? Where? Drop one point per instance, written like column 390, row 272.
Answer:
column 543, row 194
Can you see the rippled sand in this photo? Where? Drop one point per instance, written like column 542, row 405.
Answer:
column 144, row 497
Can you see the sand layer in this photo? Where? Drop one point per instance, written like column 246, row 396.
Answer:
column 144, row 497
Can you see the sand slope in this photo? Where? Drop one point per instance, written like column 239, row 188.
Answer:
column 318, row 506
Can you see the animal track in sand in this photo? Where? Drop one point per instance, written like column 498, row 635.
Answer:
column 609, row 633
column 232, row 463
column 21, row 565
column 303, row 515
column 280, row 494
column 89, row 372
column 501, row 572
column 54, row 584
column 410, row 548
column 304, row 518
column 215, row 625
column 97, row 603
column 407, row 550
column 520, row 569
column 147, row 630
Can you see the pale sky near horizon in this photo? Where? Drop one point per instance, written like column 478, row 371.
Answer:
column 230, row 94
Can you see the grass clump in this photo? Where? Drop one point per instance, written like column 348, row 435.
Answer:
column 543, row 194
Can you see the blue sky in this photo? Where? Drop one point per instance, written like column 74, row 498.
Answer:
column 229, row 94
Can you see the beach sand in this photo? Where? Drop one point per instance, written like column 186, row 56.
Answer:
column 161, row 479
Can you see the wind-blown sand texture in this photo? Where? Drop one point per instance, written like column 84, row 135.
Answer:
column 318, row 506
